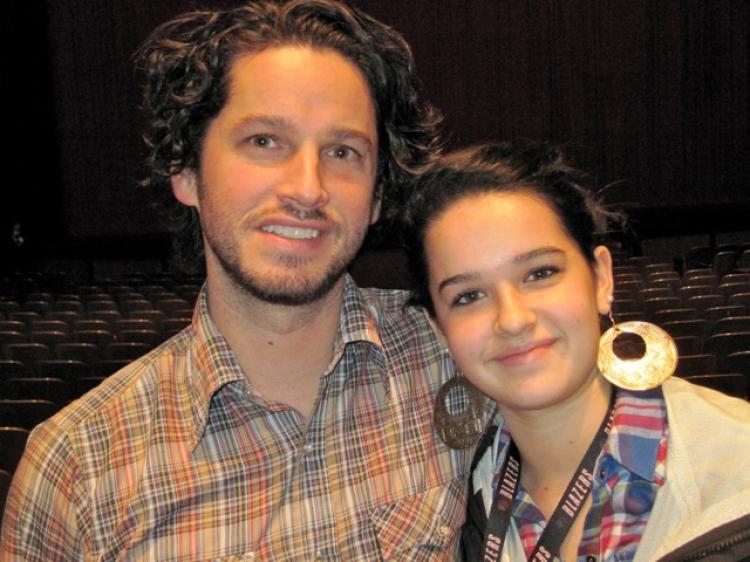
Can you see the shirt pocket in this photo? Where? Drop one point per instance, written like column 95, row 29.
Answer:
column 425, row 526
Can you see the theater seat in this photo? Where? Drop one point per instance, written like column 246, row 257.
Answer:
column 734, row 384
column 27, row 352
column 12, row 444
column 738, row 362
column 5, row 480
column 696, row 365
column 39, row 388
column 66, row 369
column 727, row 343
column 26, row 413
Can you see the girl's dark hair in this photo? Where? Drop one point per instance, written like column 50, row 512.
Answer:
column 187, row 62
column 535, row 168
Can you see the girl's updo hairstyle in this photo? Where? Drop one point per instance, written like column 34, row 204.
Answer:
column 519, row 167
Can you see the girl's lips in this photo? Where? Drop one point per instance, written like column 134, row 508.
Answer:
column 524, row 354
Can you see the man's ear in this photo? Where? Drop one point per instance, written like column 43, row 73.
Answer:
column 185, row 188
column 375, row 210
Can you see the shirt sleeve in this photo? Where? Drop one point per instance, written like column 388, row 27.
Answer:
column 43, row 512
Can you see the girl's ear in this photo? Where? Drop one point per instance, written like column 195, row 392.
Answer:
column 604, row 279
column 437, row 330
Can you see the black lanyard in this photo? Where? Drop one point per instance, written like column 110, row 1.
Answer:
column 566, row 511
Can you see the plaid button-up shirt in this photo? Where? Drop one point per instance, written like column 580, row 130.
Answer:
column 175, row 458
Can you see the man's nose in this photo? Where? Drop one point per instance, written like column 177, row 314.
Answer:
column 303, row 185
column 514, row 313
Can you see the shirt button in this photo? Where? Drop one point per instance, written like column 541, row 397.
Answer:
column 307, row 448
column 249, row 556
column 444, row 531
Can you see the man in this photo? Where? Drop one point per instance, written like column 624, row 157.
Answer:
column 293, row 419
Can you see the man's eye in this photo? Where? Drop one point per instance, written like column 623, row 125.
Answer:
column 344, row 153
column 262, row 141
column 467, row 297
column 542, row 273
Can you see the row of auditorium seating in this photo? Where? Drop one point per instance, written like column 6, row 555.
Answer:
column 55, row 346
column 690, row 341
column 721, row 259
column 72, row 340
column 702, row 301
column 99, row 332
column 73, row 337
column 708, row 363
column 70, row 306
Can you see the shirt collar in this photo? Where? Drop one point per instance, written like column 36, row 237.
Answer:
column 213, row 364
column 210, row 365
column 640, row 424
column 359, row 320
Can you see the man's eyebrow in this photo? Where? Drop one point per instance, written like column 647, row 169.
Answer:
column 519, row 259
column 272, row 121
column 347, row 134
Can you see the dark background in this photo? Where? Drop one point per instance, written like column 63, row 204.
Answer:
column 650, row 96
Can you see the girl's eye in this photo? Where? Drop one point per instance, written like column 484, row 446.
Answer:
column 467, row 297
column 542, row 273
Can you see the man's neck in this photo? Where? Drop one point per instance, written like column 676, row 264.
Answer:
column 283, row 350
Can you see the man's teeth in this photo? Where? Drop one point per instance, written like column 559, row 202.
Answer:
column 292, row 232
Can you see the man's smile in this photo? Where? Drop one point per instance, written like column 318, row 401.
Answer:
column 295, row 233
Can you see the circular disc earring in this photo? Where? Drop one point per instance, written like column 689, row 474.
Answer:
column 462, row 430
column 652, row 368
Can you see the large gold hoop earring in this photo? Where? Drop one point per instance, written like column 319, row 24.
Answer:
column 656, row 365
column 462, row 430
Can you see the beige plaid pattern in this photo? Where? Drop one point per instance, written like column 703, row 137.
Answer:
column 174, row 458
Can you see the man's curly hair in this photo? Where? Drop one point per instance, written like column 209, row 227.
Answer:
column 187, row 61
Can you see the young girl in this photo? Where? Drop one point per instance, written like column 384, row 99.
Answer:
column 503, row 246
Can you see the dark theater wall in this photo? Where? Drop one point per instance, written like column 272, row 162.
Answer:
column 649, row 95
column 31, row 186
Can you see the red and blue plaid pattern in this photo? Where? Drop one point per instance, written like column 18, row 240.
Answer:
column 628, row 474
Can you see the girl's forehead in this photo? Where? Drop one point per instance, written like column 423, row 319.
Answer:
column 494, row 227
column 493, row 205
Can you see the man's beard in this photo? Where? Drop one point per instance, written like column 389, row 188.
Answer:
column 296, row 285
column 290, row 290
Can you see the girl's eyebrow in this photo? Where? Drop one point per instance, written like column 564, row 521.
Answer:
column 530, row 255
column 519, row 259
